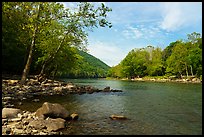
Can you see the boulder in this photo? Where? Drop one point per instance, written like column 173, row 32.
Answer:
column 12, row 82
column 196, row 80
column 53, row 111
column 37, row 124
column 10, row 112
column 106, row 89
column 117, row 117
column 55, row 124
column 58, row 89
column 33, row 82
column 70, row 86
column 49, row 124
column 116, row 90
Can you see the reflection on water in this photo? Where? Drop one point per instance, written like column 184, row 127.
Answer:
column 152, row 108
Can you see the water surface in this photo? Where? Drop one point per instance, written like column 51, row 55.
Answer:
column 152, row 108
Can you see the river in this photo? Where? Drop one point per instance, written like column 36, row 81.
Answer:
column 151, row 108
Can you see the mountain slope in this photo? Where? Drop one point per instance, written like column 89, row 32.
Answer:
column 89, row 67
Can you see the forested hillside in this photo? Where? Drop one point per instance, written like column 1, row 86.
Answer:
column 180, row 58
column 88, row 66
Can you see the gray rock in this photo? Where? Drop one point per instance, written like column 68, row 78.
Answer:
column 18, row 131
column 35, row 131
column 55, row 124
column 7, row 98
column 6, row 130
column 106, row 89
column 37, row 124
column 49, row 123
column 36, row 100
column 16, row 119
column 19, row 126
column 74, row 116
column 57, row 89
column 53, row 111
column 117, row 117
column 10, row 112
column 4, row 121
column 42, row 133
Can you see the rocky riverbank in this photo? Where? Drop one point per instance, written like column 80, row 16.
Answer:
column 12, row 90
column 184, row 80
column 47, row 120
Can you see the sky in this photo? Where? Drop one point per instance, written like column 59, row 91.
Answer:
column 139, row 24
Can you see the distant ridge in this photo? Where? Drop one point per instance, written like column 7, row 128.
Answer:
column 89, row 67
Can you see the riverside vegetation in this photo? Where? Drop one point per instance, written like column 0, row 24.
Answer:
column 181, row 60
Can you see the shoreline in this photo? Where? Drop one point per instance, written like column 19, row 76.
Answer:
column 194, row 80
column 13, row 93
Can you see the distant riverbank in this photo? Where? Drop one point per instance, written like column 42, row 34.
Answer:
column 162, row 79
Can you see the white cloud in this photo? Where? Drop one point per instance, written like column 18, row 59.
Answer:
column 107, row 52
column 132, row 32
column 177, row 15
column 142, row 32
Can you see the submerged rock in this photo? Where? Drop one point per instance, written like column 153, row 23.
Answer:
column 117, row 117
column 106, row 89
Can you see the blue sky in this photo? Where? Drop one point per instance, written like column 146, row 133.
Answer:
column 139, row 24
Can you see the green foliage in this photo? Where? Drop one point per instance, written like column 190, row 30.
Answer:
column 156, row 65
column 179, row 58
column 115, row 71
column 87, row 66
column 57, row 33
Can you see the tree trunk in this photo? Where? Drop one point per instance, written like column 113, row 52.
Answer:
column 180, row 75
column 51, row 57
column 191, row 70
column 55, row 72
column 28, row 63
column 186, row 71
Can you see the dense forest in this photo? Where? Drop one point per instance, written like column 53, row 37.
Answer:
column 43, row 38
column 180, row 58
column 88, row 66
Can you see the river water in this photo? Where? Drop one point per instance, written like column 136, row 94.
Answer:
column 151, row 108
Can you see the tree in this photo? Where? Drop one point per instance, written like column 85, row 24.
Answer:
column 135, row 63
column 115, row 71
column 14, row 38
column 76, row 24
column 178, row 62
column 35, row 23
column 52, row 30
column 155, row 66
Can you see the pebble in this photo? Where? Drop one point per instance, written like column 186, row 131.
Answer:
column 35, row 131
column 43, row 133
column 7, row 98
column 36, row 100
column 16, row 119
column 6, row 130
